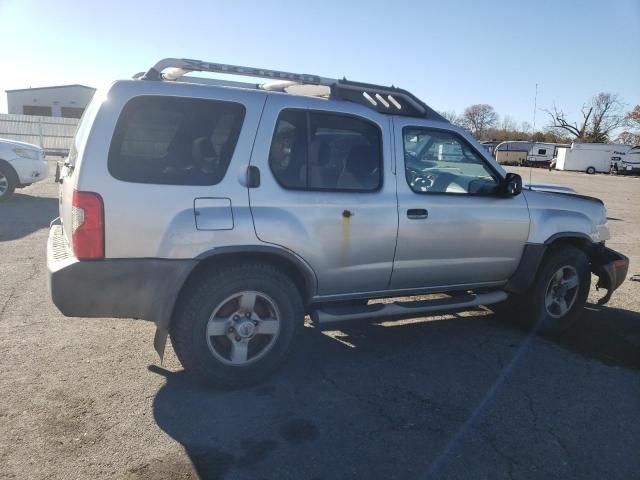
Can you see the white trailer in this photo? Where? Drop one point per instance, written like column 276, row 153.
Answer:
column 626, row 163
column 589, row 157
column 525, row 153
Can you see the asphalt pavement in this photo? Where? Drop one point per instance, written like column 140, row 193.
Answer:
column 458, row 396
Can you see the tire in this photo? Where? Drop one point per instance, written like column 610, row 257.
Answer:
column 211, row 351
column 7, row 182
column 551, row 319
column 591, row 170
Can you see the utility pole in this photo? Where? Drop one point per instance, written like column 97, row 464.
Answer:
column 535, row 107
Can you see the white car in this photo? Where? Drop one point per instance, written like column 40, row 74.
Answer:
column 21, row 164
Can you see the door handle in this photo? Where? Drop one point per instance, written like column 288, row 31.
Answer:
column 253, row 176
column 417, row 213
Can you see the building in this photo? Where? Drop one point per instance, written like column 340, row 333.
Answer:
column 68, row 101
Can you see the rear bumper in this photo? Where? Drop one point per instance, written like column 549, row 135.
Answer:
column 611, row 267
column 128, row 288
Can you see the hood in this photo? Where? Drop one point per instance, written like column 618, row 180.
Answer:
column 548, row 187
column 559, row 190
column 15, row 143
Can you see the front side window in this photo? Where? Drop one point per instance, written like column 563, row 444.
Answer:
column 174, row 140
column 442, row 162
column 326, row 151
column 542, row 151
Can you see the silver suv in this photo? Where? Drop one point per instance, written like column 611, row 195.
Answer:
column 225, row 212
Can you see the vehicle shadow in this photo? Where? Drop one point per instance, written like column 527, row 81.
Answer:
column 441, row 397
column 610, row 335
column 21, row 215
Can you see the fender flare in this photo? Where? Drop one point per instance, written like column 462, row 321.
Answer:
column 531, row 258
column 301, row 266
column 579, row 235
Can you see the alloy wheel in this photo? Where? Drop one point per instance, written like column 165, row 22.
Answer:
column 243, row 328
column 562, row 291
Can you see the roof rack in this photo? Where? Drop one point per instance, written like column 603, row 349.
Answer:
column 389, row 100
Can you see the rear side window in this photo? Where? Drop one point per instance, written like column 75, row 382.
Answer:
column 175, row 141
column 325, row 151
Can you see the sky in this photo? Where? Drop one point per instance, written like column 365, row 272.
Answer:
column 451, row 53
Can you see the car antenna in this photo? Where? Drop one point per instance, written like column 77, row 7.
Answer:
column 533, row 132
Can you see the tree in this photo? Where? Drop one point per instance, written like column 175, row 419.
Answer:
column 451, row 115
column 539, row 137
column 600, row 117
column 508, row 124
column 479, row 118
column 632, row 121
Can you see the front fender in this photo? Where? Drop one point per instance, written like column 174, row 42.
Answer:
column 553, row 215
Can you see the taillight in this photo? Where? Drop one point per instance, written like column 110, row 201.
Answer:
column 87, row 226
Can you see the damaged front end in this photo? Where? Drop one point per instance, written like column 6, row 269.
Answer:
column 611, row 268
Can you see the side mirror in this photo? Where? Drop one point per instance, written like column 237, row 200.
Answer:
column 512, row 185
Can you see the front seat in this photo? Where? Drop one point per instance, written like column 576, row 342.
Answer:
column 360, row 170
column 319, row 174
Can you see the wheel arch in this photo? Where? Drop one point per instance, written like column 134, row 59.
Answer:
column 287, row 262
column 11, row 170
column 298, row 270
column 534, row 254
column 577, row 239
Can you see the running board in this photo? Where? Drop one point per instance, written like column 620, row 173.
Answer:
column 339, row 312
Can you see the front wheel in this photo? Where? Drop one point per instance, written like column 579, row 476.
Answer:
column 236, row 326
column 560, row 291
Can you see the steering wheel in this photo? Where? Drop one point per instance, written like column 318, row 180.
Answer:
column 442, row 181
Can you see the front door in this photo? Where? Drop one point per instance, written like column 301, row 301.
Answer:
column 455, row 230
column 327, row 191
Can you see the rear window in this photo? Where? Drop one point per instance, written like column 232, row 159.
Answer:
column 175, row 141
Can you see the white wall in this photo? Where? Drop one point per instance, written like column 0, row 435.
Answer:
column 52, row 134
column 56, row 98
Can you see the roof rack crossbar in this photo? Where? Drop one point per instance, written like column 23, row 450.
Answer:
column 382, row 99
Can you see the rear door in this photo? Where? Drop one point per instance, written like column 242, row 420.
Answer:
column 327, row 191
column 454, row 230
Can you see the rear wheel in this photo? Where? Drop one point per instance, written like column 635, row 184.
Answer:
column 236, row 326
column 591, row 170
column 7, row 183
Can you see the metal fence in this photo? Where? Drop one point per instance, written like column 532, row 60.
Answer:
column 53, row 134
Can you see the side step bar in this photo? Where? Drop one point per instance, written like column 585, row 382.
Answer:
column 397, row 310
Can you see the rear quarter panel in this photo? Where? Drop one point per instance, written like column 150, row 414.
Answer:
column 148, row 220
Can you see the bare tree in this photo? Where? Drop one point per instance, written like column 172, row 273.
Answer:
column 632, row 122
column 451, row 115
column 478, row 118
column 600, row 117
column 508, row 124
